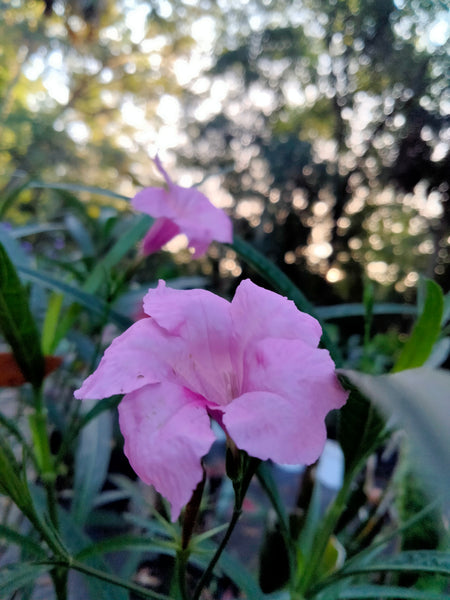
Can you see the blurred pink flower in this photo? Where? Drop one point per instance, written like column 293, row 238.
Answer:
column 252, row 365
column 181, row 210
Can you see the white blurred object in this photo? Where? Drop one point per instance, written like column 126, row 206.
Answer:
column 330, row 470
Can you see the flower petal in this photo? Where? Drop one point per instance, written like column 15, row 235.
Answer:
column 156, row 202
column 200, row 220
column 258, row 313
column 166, row 431
column 201, row 321
column 267, row 426
column 190, row 211
column 133, row 360
column 162, row 231
column 288, row 390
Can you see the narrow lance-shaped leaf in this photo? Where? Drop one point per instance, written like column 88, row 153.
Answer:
column 17, row 323
column 360, row 428
column 117, row 252
column 24, row 541
column 91, row 464
column 425, row 332
column 380, row 592
column 14, row 577
column 89, row 301
column 414, row 561
column 51, row 320
column 418, row 400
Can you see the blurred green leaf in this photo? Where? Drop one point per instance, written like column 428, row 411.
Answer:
column 342, row 311
column 91, row 464
column 10, row 197
column 17, row 323
column 75, row 540
column 360, row 428
column 124, row 244
column 415, row 561
column 50, row 326
column 128, row 542
column 87, row 300
column 12, row 428
column 268, row 484
column 24, row 541
column 75, row 187
column 19, row 232
column 14, row 577
column 425, row 332
column 237, row 572
column 13, row 248
column 99, row 407
column 13, row 483
column 418, row 400
column 379, row 592
column 80, row 234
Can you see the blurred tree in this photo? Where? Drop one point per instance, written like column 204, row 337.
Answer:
column 330, row 122
column 327, row 120
column 83, row 85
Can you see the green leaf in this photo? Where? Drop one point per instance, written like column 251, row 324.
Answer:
column 17, row 323
column 418, row 400
column 75, row 540
column 75, row 187
column 10, row 197
column 425, row 332
column 80, row 234
column 11, row 483
column 360, row 428
column 97, row 409
column 236, row 571
column 91, row 464
column 13, row 248
column 268, row 484
column 283, row 285
column 128, row 542
column 20, row 232
column 414, row 561
column 87, row 300
column 25, row 542
column 51, row 320
column 379, row 592
column 124, row 244
column 14, row 577
column 342, row 311
column 12, row 428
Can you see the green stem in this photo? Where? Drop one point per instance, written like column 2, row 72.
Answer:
column 46, row 465
column 59, row 577
column 44, row 458
column 240, row 469
column 204, row 579
column 178, row 588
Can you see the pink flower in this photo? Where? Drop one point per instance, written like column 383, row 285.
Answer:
column 181, row 210
column 252, row 365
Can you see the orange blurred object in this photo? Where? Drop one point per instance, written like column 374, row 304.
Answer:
column 12, row 376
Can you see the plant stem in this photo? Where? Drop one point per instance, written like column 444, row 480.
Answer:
column 44, row 458
column 204, row 579
column 46, row 465
column 178, row 588
column 240, row 468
